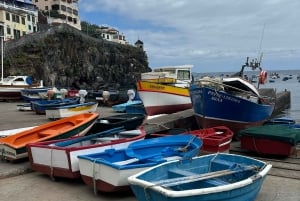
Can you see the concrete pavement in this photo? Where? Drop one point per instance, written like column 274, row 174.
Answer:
column 19, row 183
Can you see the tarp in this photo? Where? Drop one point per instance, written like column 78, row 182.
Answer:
column 284, row 133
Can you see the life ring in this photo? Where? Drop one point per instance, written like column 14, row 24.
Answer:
column 263, row 77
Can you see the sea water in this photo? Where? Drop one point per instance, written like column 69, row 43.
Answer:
column 292, row 84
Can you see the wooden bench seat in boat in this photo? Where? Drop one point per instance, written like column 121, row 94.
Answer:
column 48, row 132
column 185, row 173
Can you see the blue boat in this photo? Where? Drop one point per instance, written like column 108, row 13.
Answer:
column 231, row 102
column 122, row 107
column 40, row 106
column 217, row 177
column 108, row 171
column 280, row 120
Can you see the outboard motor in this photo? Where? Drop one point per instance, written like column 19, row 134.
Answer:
column 82, row 94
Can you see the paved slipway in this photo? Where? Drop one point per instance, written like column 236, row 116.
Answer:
column 19, row 184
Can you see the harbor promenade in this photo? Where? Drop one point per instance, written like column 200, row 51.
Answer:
column 19, row 183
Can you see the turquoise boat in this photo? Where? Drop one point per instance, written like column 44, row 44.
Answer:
column 217, row 177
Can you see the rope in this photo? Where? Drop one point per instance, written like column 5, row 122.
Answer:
column 51, row 166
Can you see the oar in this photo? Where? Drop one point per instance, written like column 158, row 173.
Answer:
column 136, row 158
column 188, row 179
column 89, row 137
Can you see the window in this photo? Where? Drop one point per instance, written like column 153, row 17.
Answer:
column 29, row 27
column 28, row 17
column 8, row 16
column 23, row 20
column 46, row 7
column 33, row 19
column 63, row 7
column 17, row 19
column 8, row 30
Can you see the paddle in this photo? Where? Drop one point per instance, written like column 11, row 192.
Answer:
column 209, row 175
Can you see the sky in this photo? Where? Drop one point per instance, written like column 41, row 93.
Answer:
column 211, row 35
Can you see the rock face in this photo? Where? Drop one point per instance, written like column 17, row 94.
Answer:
column 65, row 57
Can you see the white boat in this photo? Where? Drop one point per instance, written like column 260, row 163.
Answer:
column 165, row 90
column 69, row 110
column 58, row 158
column 5, row 133
column 11, row 86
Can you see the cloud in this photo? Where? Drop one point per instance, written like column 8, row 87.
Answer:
column 204, row 32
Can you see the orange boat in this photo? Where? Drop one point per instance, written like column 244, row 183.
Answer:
column 13, row 147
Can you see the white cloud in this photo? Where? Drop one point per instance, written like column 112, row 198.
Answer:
column 185, row 31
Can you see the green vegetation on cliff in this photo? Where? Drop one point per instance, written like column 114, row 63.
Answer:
column 65, row 57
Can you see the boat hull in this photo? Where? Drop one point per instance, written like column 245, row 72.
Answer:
column 214, row 108
column 58, row 158
column 276, row 139
column 163, row 98
column 13, row 147
column 40, row 106
column 71, row 109
column 108, row 171
column 128, row 121
column 199, row 179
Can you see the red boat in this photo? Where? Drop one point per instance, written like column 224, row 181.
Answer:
column 270, row 139
column 215, row 139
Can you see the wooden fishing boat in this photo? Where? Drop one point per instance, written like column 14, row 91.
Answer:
column 58, row 158
column 70, row 109
column 108, row 171
column 122, row 106
column 165, row 90
column 231, row 102
column 5, row 133
column 40, row 106
column 276, row 139
column 24, row 107
column 210, row 177
column 33, row 94
column 215, row 139
column 127, row 121
column 280, row 120
column 13, row 147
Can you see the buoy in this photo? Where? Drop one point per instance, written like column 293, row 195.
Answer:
column 263, row 77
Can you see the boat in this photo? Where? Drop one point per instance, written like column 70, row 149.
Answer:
column 122, row 106
column 280, row 120
column 231, row 102
column 215, row 177
column 108, row 171
column 58, row 158
column 127, row 121
column 215, row 139
column 63, row 111
column 165, row 90
column 274, row 139
column 33, row 94
column 24, row 107
column 11, row 86
column 13, row 147
column 5, row 133
column 40, row 106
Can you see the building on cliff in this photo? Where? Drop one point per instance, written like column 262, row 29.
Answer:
column 60, row 11
column 17, row 18
column 111, row 34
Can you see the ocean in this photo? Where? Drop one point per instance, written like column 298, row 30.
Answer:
column 292, row 84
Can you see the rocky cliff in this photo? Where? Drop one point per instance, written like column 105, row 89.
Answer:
column 65, row 57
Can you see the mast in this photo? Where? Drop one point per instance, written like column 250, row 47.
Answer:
column 2, row 41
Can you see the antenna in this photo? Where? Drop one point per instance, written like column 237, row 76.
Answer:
column 261, row 40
